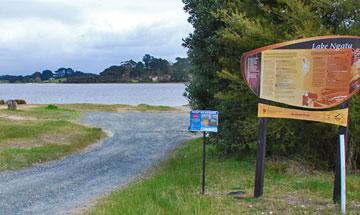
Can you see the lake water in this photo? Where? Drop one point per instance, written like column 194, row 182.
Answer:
column 132, row 94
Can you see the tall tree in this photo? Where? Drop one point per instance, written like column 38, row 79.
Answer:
column 46, row 75
column 223, row 30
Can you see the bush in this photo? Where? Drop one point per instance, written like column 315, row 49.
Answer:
column 20, row 101
column 52, row 107
column 2, row 102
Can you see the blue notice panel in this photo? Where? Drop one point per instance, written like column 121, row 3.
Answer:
column 203, row 120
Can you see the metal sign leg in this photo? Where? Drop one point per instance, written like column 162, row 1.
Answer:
column 203, row 165
column 337, row 183
column 342, row 175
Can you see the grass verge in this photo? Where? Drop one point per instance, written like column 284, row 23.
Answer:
column 116, row 108
column 173, row 188
column 35, row 135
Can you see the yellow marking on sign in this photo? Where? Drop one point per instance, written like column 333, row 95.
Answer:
column 336, row 117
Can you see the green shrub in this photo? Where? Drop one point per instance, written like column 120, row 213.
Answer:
column 52, row 107
column 20, row 101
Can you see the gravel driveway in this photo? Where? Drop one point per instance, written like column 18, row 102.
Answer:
column 139, row 141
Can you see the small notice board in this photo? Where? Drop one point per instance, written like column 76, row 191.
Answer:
column 204, row 121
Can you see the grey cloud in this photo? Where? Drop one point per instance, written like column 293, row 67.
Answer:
column 156, row 35
column 34, row 9
column 89, row 51
column 97, row 51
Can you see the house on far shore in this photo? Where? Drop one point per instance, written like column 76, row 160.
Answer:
column 154, row 78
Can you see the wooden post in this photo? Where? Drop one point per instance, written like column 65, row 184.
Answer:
column 337, row 183
column 260, row 159
column 203, row 165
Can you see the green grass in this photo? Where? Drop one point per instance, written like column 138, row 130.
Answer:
column 94, row 107
column 35, row 135
column 116, row 107
column 27, row 129
column 145, row 107
column 43, row 113
column 173, row 188
column 15, row 158
column 32, row 135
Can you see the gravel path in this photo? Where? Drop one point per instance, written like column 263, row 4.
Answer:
column 139, row 141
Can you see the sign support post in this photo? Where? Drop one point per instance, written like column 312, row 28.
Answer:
column 203, row 164
column 342, row 175
column 260, row 159
column 343, row 131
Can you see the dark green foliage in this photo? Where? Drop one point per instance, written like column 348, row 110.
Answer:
column 353, row 147
column 64, row 73
column 20, row 101
column 151, row 69
column 180, row 69
column 46, row 75
column 52, row 107
column 223, row 31
column 36, row 76
column 114, row 71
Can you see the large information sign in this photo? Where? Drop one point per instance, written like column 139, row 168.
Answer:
column 314, row 73
column 317, row 73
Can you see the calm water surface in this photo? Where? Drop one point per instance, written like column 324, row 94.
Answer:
column 133, row 94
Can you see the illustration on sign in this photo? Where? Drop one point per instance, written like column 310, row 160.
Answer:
column 202, row 120
column 318, row 73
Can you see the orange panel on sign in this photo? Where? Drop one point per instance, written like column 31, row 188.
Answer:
column 337, row 117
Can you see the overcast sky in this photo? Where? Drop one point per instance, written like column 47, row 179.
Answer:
column 87, row 35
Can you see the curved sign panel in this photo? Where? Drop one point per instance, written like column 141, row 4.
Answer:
column 318, row 73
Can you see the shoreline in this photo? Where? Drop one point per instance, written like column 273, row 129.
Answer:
column 100, row 83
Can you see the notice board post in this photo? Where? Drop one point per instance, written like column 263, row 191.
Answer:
column 204, row 121
column 343, row 132
column 203, row 164
column 260, row 159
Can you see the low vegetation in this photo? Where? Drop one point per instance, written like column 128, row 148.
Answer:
column 38, row 134
column 173, row 188
column 116, row 107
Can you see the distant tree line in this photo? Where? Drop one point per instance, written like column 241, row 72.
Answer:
column 59, row 75
column 150, row 69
